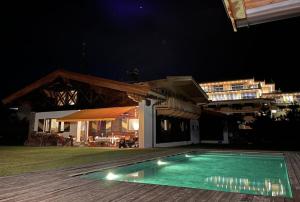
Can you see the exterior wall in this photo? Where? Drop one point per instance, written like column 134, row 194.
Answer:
column 173, row 144
column 195, row 133
column 31, row 124
column 147, row 125
column 55, row 115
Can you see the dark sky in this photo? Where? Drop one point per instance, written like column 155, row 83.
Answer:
column 161, row 37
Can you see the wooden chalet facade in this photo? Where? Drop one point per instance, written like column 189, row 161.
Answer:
column 94, row 111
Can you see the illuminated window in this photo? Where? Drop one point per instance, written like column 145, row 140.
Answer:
column 165, row 125
column 248, row 95
column 237, row 86
column 66, row 97
column 288, row 99
column 205, row 88
column 183, row 126
column 72, row 97
column 61, row 98
column 47, row 125
column 218, row 88
column 54, row 125
column 133, row 124
column 60, row 126
column 66, row 126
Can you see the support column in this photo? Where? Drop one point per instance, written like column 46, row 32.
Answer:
column 225, row 133
column 78, row 131
column 146, row 124
column 194, row 128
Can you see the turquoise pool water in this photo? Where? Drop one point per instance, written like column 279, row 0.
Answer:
column 243, row 173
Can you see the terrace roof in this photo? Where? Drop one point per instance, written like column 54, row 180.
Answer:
column 249, row 12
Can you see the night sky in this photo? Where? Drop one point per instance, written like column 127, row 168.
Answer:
column 160, row 37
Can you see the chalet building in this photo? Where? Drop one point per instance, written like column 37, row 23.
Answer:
column 95, row 111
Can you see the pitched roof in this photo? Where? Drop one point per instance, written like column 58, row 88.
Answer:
column 92, row 80
column 184, row 86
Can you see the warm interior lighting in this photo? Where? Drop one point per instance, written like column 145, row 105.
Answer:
column 134, row 124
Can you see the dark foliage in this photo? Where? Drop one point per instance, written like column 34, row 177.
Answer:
column 282, row 132
column 14, row 130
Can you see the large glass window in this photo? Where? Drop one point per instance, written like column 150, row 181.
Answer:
column 47, row 125
column 67, row 126
column 66, row 97
column 54, row 125
column 248, row 95
column 237, row 86
column 218, row 88
column 41, row 125
column 165, row 125
column 133, row 124
column 172, row 129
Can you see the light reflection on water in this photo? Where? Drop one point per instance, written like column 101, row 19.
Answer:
column 272, row 187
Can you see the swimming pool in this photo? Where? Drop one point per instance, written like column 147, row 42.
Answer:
column 243, row 173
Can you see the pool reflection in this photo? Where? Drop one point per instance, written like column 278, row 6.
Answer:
column 271, row 187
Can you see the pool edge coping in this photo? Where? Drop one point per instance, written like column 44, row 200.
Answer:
column 169, row 155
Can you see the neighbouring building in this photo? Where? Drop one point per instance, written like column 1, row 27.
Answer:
column 95, row 111
column 244, row 97
column 237, row 89
column 243, row 100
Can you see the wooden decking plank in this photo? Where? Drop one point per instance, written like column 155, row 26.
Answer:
column 164, row 195
column 241, row 197
column 45, row 189
column 86, row 193
column 137, row 193
column 227, row 196
column 206, row 195
column 291, row 172
column 64, row 194
column 278, row 199
column 219, row 195
column 151, row 194
column 296, row 167
column 182, row 194
column 117, row 192
column 98, row 192
column 27, row 185
column 140, row 195
column 261, row 199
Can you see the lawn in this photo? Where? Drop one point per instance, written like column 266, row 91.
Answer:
column 17, row 160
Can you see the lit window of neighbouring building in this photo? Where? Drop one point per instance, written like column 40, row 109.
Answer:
column 237, row 86
column 248, row 95
column 218, row 88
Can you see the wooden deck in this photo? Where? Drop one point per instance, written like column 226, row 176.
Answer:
column 59, row 185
